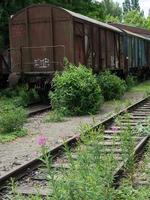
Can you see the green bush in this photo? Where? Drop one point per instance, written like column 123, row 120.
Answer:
column 75, row 91
column 131, row 81
column 111, row 85
column 21, row 95
column 11, row 117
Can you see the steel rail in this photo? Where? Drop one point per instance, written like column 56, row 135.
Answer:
column 33, row 164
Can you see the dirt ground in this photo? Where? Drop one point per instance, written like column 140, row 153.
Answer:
column 21, row 150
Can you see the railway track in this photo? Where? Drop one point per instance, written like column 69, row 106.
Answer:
column 141, row 177
column 30, row 175
column 37, row 109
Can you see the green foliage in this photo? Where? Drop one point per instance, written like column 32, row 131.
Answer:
column 135, row 18
column 111, row 85
column 7, row 137
column 135, row 4
column 110, row 18
column 142, row 87
column 129, row 5
column 126, row 6
column 112, row 8
column 76, row 91
column 54, row 116
column 11, row 117
column 131, row 81
column 21, row 95
column 90, row 174
column 127, row 145
column 128, row 192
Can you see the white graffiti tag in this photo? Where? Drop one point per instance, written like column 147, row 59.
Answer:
column 41, row 63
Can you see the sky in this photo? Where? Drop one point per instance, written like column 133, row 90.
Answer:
column 144, row 4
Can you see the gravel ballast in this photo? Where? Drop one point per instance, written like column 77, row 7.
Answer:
column 21, row 150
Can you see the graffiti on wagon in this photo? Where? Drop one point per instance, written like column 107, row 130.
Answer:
column 41, row 63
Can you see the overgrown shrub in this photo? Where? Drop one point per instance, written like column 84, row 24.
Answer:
column 75, row 91
column 131, row 81
column 11, row 117
column 111, row 85
column 21, row 95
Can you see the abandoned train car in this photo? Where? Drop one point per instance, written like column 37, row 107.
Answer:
column 42, row 35
column 136, row 49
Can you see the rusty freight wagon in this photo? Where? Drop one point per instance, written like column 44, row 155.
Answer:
column 42, row 35
column 136, row 49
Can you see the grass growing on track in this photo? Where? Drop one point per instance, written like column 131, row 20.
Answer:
column 90, row 175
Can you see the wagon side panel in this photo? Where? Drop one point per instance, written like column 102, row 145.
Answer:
column 17, row 33
column 62, row 37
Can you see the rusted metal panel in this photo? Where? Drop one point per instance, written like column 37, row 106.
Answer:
column 39, row 34
column 79, row 43
column 96, row 49
column 110, row 50
column 62, row 35
column 88, row 45
column 40, row 26
column 17, row 32
column 117, row 51
column 122, row 53
column 103, row 49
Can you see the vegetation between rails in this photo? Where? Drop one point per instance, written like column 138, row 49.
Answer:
column 90, row 175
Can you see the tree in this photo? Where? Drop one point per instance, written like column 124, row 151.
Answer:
column 129, row 5
column 135, row 18
column 111, row 9
column 135, row 5
column 126, row 6
column 110, row 18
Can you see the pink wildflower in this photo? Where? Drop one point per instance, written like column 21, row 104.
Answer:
column 41, row 140
column 114, row 128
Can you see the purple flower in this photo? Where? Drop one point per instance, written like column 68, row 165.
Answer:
column 41, row 140
column 114, row 128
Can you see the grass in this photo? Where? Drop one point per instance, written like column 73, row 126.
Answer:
column 8, row 137
column 90, row 175
column 123, row 102
column 142, row 87
column 54, row 116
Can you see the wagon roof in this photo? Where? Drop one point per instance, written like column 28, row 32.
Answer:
column 77, row 15
column 91, row 20
column 136, row 35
